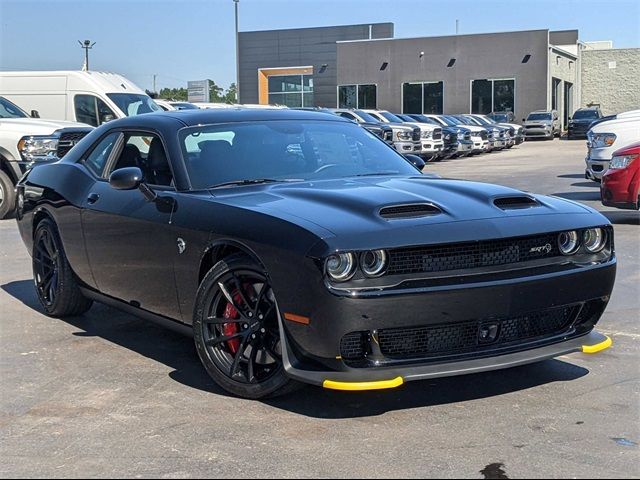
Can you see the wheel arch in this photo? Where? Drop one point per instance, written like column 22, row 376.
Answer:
column 216, row 251
column 6, row 167
column 39, row 215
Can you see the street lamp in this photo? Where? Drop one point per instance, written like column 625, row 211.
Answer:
column 86, row 45
column 235, row 3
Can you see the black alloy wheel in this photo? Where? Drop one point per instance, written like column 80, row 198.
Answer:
column 236, row 330
column 56, row 284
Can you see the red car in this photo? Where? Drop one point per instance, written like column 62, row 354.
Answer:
column 620, row 183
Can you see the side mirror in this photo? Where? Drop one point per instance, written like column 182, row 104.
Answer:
column 130, row 178
column 35, row 114
column 523, row 120
column 108, row 118
column 126, row 178
column 417, row 162
column 569, row 118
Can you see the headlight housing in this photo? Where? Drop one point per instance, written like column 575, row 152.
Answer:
column 603, row 140
column 373, row 263
column 404, row 135
column 594, row 239
column 622, row 161
column 341, row 267
column 36, row 148
column 568, row 242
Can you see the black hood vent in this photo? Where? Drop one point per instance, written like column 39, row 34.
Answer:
column 515, row 202
column 412, row 210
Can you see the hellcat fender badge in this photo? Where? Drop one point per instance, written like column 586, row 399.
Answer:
column 182, row 245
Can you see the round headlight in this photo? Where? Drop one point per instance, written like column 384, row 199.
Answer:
column 341, row 266
column 373, row 262
column 594, row 239
column 568, row 242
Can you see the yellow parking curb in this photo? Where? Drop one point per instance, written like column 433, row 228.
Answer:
column 598, row 347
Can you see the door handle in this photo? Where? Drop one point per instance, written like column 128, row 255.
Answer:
column 93, row 198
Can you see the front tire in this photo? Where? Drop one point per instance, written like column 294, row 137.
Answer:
column 55, row 282
column 236, row 330
column 7, row 195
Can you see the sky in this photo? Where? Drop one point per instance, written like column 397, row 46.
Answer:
column 183, row 40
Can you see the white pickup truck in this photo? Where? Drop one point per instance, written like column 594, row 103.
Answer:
column 604, row 138
column 26, row 141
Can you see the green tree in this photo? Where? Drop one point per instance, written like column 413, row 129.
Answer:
column 178, row 94
column 215, row 92
column 231, row 95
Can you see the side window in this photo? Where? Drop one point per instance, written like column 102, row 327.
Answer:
column 146, row 152
column 348, row 115
column 91, row 110
column 97, row 159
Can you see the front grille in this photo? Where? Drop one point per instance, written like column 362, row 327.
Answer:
column 401, row 343
column 467, row 136
column 416, row 134
column 453, row 138
column 353, row 346
column 469, row 255
column 426, row 134
column 67, row 141
column 437, row 134
column 597, row 168
column 483, row 135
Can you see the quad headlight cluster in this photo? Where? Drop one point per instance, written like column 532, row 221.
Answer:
column 593, row 240
column 341, row 267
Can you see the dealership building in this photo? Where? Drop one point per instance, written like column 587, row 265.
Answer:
column 364, row 66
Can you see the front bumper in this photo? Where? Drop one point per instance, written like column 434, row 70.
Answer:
column 408, row 147
column 577, row 132
column 596, row 168
column 315, row 354
column 620, row 188
column 378, row 379
column 538, row 132
column 432, row 147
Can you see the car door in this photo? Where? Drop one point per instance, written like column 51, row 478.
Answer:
column 129, row 240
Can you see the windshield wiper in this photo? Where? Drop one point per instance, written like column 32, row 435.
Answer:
column 255, row 181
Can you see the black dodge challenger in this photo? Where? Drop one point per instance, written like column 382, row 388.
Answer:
column 298, row 247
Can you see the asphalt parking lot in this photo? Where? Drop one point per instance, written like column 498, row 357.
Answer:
column 109, row 395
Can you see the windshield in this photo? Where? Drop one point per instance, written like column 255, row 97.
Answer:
column 184, row 106
column 133, row 103
column 451, row 122
column 500, row 117
column 423, row 119
column 539, row 116
column 9, row 110
column 367, row 117
column 391, row 117
column 285, row 151
column 484, row 120
column 585, row 114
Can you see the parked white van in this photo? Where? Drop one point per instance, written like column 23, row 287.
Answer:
column 78, row 96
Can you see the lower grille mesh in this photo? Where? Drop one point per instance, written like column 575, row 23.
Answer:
column 451, row 339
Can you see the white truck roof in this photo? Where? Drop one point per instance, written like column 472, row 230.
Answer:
column 64, row 80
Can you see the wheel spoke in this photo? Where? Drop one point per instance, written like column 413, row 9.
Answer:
column 224, row 338
column 42, row 251
column 229, row 298
column 259, row 299
column 236, row 361
column 50, row 246
column 251, row 370
column 238, row 286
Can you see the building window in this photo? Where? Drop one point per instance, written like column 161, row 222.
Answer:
column 291, row 90
column 492, row 96
column 422, row 97
column 357, row 96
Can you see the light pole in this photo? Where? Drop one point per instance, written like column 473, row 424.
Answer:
column 235, row 2
column 86, row 45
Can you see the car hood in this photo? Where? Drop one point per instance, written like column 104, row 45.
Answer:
column 349, row 209
column 36, row 126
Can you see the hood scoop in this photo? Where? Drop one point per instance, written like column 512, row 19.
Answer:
column 516, row 202
column 412, row 210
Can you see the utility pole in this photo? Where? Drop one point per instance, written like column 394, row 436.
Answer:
column 86, row 45
column 457, row 26
column 235, row 2
column 154, row 83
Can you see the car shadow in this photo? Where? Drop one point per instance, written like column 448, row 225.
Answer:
column 589, row 184
column 572, row 175
column 579, row 196
column 623, row 217
column 178, row 353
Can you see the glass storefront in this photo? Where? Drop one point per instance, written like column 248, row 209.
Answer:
column 492, row 96
column 423, row 97
column 357, row 96
column 291, row 90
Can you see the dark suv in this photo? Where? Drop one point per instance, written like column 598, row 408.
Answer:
column 582, row 121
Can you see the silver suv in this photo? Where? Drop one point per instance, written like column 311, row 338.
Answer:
column 542, row 124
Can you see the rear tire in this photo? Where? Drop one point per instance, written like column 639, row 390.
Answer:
column 55, row 282
column 7, row 195
column 236, row 330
